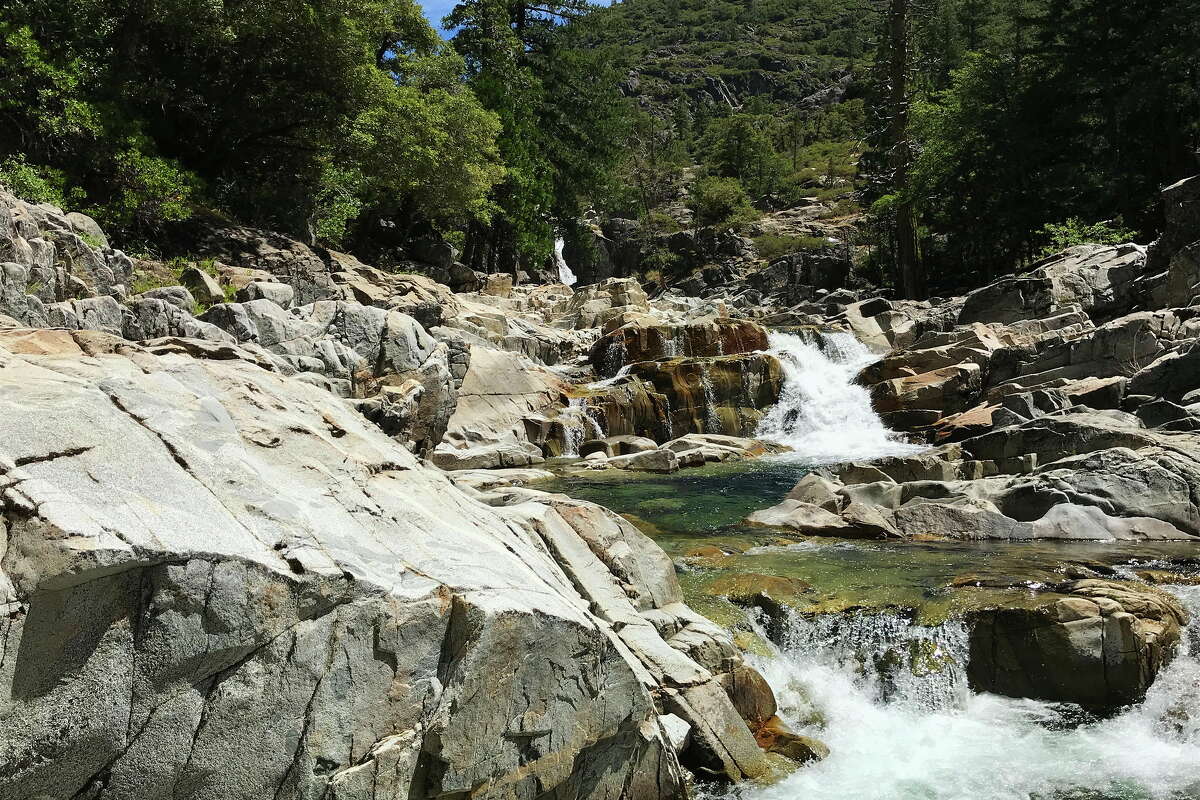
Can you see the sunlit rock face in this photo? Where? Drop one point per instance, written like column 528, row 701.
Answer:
column 649, row 339
column 221, row 581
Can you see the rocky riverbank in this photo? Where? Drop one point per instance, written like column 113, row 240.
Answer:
column 226, row 572
column 266, row 527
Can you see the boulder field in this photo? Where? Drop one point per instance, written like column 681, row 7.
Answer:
column 227, row 571
column 266, row 525
column 222, row 581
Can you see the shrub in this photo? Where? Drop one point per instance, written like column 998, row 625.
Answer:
column 720, row 202
column 771, row 245
column 37, row 184
column 151, row 191
column 1075, row 232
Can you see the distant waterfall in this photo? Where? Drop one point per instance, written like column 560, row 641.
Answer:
column 565, row 275
column 822, row 414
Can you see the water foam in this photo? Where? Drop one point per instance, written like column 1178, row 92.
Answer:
column 910, row 732
column 822, row 413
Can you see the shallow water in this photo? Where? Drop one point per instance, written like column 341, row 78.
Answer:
column 692, row 508
column 889, row 695
column 871, row 658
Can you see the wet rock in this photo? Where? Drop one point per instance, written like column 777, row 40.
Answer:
column 650, row 339
column 1100, row 646
column 774, row 736
column 772, row 594
column 721, row 744
column 750, row 694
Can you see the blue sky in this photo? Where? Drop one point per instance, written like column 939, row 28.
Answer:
column 435, row 10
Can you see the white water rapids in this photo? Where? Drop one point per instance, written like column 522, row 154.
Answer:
column 822, row 413
column 905, row 734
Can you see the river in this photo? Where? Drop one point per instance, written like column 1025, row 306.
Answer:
column 871, row 658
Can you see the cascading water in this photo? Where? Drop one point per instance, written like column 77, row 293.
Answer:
column 822, row 414
column 578, row 425
column 891, row 701
column 712, row 420
column 565, row 275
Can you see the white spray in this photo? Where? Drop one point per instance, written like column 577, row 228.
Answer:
column 822, row 414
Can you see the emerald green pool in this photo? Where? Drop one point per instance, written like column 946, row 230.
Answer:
column 697, row 515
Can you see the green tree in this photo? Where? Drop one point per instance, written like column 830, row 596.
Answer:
column 740, row 147
column 561, row 115
column 156, row 108
column 720, row 202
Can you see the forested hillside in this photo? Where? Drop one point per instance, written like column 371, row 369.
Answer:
column 975, row 134
column 958, row 139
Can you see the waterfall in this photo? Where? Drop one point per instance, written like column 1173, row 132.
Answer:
column 565, row 275
column 577, row 425
column 822, row 413
column 890, row 699
column 712, row 420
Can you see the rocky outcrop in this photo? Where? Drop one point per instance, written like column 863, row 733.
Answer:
column 51, row 275
column 662, row 400
column 509, row 414
column 1175, row 257
column 1094, row 277
column 650, row 339
column 221, row 580
column 1097, row 643
column 358, row 351
column 639, row 454
column 1071, row 476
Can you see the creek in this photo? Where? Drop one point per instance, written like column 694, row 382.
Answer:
column 871, row 655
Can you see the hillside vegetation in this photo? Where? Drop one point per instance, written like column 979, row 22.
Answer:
column 970, row 135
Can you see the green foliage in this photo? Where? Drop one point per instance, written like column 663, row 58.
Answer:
column 36, row 184
column 1024, row 111
column 659, row 222
column 650, row 173
column 720, row 202
column 740, row 147
column 156, row 109
column 658, row 262
column 1060, row 236
column 772, row 246
column 562, row 123
column 149, row 191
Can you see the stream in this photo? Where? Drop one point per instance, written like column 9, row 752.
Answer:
column 871, row 658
